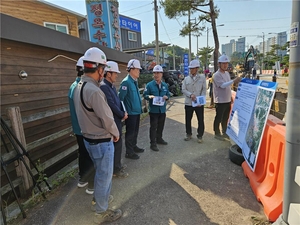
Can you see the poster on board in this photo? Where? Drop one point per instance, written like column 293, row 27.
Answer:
column 249, row 116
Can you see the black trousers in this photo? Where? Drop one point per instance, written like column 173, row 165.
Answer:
column 189, row 111
column 222, row 115
column 157, row 123
column 85, row 163
column 132, row 129
column 118, row 148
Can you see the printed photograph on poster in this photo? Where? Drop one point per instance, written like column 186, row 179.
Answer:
column 257, row 124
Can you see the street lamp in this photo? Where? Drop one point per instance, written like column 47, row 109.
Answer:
column 207, row 30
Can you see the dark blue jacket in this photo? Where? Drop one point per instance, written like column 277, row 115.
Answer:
column 112, row 100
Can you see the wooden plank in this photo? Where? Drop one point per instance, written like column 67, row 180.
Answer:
column 46, row 152
column 37, row 132
column 57, row 158
column 42, row 115
column 33, row 107
column 38, row 64
column 27, row 88
column 10, row 48
column 27, row 97
column 47, row 139
column 6, row 188
column 17, row 126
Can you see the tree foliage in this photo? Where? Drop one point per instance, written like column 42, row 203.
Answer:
column 208, row 14
column 178, row 51
column 205, row 54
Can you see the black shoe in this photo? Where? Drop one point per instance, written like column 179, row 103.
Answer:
column 162, row 142
column 138, row 150
column 226, row 137
column 219, row 137
column 131, row 156
column 154, row 148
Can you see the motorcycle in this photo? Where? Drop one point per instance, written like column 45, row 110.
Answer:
column 174, row 87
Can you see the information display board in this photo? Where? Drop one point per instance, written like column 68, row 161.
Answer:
column 249, row 116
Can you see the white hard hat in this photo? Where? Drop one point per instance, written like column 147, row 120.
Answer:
column 134, row 63
column 158, row 68
column 194, row 64
column 112, row 66
column 223, row 59
column 94, row 55
column 80, row 62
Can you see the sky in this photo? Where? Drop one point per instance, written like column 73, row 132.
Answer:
column 252, row 19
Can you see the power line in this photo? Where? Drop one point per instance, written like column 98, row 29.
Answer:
column 139, row 13
column 135, row 8
column 243, row 21
column 164, row 26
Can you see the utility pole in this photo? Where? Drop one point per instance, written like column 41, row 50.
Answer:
column 206, row 59
column 189, row 18
column 174, row 58
column 156, row 33
column 291, row 187
column 197, row 44
column 262, row 66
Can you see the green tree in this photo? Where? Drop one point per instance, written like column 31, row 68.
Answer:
column 204, row 54
column 179, row 52
column 208, row 13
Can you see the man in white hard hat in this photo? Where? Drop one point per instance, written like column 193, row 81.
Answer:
column 99, row 131
column 107, row 86
column 157, row 93
column 222, row 97
column 130, row 95
column 194, row 85
column 85, row 164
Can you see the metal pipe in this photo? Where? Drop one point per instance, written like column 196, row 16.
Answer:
column 190, row 45
column 156, row 33
column 291, row 189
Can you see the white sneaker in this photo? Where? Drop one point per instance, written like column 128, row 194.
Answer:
column 82, row 184
column 89, row 191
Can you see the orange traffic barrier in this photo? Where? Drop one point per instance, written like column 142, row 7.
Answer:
column 267, row 179
column 256, row 177
column 273, row 203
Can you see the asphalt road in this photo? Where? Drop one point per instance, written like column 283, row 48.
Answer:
column 185, row 183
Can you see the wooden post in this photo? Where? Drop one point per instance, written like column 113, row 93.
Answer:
column 14, row 115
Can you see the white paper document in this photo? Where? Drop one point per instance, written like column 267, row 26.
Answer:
column 157, row 100
column 200, row 100
column 123, row 106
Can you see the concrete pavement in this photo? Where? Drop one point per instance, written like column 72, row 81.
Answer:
column 185, row 183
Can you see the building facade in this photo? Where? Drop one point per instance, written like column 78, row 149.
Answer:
column 234, row 46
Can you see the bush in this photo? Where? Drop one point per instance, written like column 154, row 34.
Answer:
column 285, row 74
column 144, row 79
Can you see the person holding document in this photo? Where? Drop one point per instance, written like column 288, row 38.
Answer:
column 110, row 77
column 194, row 90
column 157, row 93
